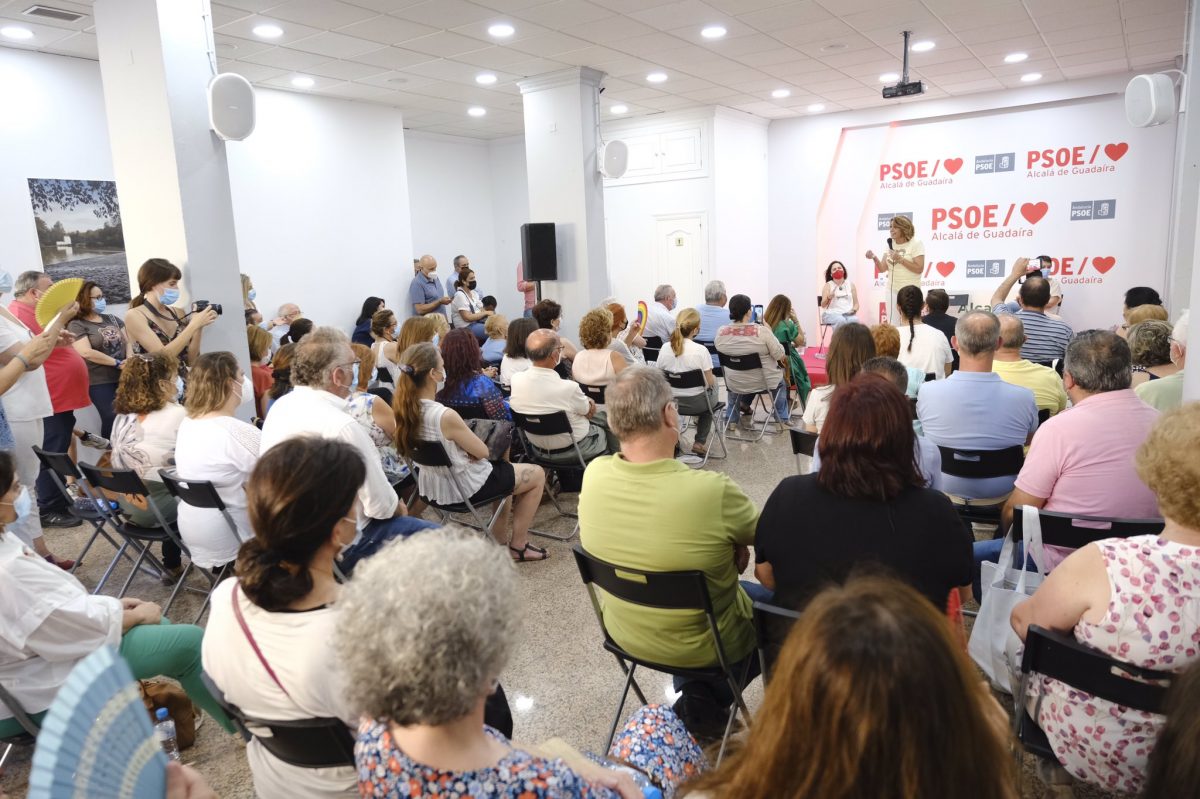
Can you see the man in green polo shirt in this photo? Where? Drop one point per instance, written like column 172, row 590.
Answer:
column 1167, row 392
column 643, row 509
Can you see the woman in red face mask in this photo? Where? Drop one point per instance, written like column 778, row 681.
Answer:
column 839, row 298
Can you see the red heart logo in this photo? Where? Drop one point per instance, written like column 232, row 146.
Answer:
column 946, row 267
column 1033, row 212
column 1104, row 264
column 1115, row 151
column 953, row 165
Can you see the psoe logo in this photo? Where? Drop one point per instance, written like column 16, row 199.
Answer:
column 997, row 162
column 1093, row 209
column 992, row 268
column 884, row 220
column 1088, row 269
column 1074, row 156
column 915, row 170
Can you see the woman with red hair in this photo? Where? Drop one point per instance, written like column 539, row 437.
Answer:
column 467, row 383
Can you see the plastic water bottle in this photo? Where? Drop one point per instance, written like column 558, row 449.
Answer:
column 164, row 728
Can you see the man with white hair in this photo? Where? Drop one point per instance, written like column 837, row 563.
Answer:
column 1165, row 393
column 662, row 314
column 279, row 326
column 324, row 371
column 713, row 314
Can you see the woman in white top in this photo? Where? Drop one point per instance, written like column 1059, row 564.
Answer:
column 282, row 666
column 420, row 418
column 596, row 364
column 685, row 355
column 904, row 262
column 839, row 297
column 514, row 359
column 215, row 446
column 850, row 346
column 49, row 622
column 386, row 349
column 466, row 309
column 921, row 346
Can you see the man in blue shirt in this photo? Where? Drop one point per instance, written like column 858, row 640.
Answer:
column 974, row 408
column 462, row 265
column 425, row 292
column 713, row 314
column 1046, row 337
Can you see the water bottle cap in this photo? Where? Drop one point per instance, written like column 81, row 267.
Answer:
column 161, row 714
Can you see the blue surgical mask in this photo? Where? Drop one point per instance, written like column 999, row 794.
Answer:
column 22, row 505
column 354, row 377
column 435, row 339
column 6, row 283
column 169, row 296
column 251, row 294
column 100, row 305
column 179, row 388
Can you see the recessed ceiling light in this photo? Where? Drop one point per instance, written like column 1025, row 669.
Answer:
column 303, row 82
column 888, row 77
column 656, row 77
column 268, row 31
column 501, row 30
column 779, row 94
column 619, row 109
column 923, row 47
column 1030, row 77
column 1015, row 58
column 485, row 79
column 477, row 111
column 815, row 107
column 713, row 32
column 16, row 32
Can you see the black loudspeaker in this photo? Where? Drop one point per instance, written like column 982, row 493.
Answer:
column 538, row 251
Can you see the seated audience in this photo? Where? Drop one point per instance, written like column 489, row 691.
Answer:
column 548, row 314
column 143, row 441
column 1173, row 764
column 417, row 330
column 298, row 329
column 850, row 347
column 713, row 315
column 870, row 488
column 683, row 354
column 1142, row 313
column 1167, row 393
column 421, row 656
column 420, row 417
column 887, row 344
column 467, row 387
column 362, row 325
column 1046, row 337
column 540, row 390
column 215, row 446
column 466, row 307
column 253, row 317
column 376, row 417
column 701, row 520
column 323, row 371
column 259, row 341
column 839, row 297
column 872, row 696
column 973, row 409
column 496, row 328
column 1150, row 350
column 937, row 303
column 281, row 376
column 1137, row 297
column 596, row 364
column 490, row 303
column 515, row 359
column 1135, row 599
column 51, row 622
column 282, row 665
column 1044, row 382
column 661, row 321
column 281, row 325
column 384, row 346
column 921, row 346
column 744, row 336
column 627, row 339
column 780, row 318
column 101, row 340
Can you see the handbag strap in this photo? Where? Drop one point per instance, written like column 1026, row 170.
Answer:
column 241, row 620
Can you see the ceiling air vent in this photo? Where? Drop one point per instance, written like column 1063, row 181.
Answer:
column 47, row 12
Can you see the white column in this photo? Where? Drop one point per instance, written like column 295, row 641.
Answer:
column 1183, row 250
column 565, row 187
column 172, row 177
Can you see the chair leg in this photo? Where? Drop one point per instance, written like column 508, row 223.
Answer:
column 178, row 587
column 739, row 704
column 216, row 579
column 564, row 513
column 612, row 732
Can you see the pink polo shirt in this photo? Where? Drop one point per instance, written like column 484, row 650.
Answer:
column 1081, row 460
column 526, row 287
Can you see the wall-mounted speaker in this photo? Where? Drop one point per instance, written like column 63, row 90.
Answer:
column 539, row 251
column 613, row 159
column 1150, row 100
column 231, row 106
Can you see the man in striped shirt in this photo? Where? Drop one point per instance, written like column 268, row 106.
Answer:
column 1045, row 337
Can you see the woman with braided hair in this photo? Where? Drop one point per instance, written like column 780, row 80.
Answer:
column 921, row 347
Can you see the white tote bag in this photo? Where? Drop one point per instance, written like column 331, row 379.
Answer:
column 994, row 645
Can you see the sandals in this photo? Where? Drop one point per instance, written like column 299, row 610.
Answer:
column 523, row 555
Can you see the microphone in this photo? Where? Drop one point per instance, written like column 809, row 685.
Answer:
column 890, row 243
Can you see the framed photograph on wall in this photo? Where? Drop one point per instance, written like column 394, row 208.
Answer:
column 79, row 233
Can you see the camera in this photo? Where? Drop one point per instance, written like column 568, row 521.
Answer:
column 200, row 305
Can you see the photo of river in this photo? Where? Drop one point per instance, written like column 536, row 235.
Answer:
column 79, row 232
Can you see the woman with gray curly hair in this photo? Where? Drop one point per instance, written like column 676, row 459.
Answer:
column 1150, row 346
column 428, row 624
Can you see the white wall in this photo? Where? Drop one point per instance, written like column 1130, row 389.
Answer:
column 510, row 210
column 740, row 189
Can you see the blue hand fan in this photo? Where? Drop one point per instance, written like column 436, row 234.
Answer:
column 97, row 739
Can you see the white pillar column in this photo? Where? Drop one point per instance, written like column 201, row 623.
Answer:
column 172, row 176
column 565, row 187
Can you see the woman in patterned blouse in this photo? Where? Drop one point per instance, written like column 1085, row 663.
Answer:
column 468, row 384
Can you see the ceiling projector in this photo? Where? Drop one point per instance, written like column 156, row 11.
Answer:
column 905, row 88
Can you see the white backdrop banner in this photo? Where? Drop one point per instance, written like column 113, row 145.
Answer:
column 1073, row 181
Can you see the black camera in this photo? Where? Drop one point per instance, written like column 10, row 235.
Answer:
column 200, row 305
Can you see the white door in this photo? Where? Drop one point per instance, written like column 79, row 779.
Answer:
column 682, row 258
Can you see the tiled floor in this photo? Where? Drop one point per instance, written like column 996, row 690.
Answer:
column 560, row 683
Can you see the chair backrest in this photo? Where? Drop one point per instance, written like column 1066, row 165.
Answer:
column 803, row 442
column 1043, row 415
column 1065, row 529
column 58, row 462
column 741, row 363
column 930, row 377
column 980, row 463
column 594, row 393
column 771, row 626
column 683, row 590
column 430, row 453
column 122, row 481
column 679, row 381
column 1062, row 658
column 472, row 410
column 306, row 743
column 542, row 424
column 651, row 350
column 820, row 300
column 712, row 350
column 197, row 493
column 653, row 342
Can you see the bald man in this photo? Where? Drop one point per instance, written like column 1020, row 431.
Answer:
column 425, row 292
column 1044, row 382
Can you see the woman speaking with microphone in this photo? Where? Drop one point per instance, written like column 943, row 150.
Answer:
column 904, row 261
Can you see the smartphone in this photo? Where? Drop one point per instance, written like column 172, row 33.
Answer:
column 758, row 314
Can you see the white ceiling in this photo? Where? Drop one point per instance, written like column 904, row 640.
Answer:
column 423, row 55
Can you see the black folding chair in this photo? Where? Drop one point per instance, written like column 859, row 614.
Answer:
column 750, row 363
column 432, row 454
column 550, row 424
column 692, row 379
column 306, row 743
column 1043, row 415
column 1061, row 657
column 712, row 350
column 594, row 393
column 683, row 590
column 930, row 377
column 203, row 494
column 653, row 345
column 803, row 443
column 29, row 727
column 974, row 464
column 771, row 626
column 1072, row 531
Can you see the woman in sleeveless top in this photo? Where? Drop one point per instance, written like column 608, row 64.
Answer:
column 385, row 349
column 1150, row 349
column 839, row 298
column 420, row 418
column 596, row 364
column 155, row 326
